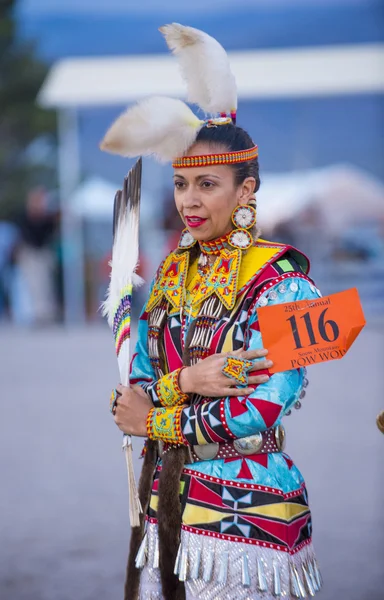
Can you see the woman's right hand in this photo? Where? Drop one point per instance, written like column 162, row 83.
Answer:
column 207, row 379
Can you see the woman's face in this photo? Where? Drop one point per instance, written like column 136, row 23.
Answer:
column 206, row 196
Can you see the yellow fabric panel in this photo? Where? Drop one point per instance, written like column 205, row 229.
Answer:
column 192, row 272
column 199, row 436
column 253, row 260
column 285, row 511
column 228, row 342
column 154, row 502
column 193, row 515
column 171, row 281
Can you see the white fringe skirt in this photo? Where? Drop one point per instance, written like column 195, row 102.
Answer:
column 216, row 569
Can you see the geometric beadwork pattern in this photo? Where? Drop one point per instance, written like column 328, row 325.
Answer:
column 224, row 158
column 168, row 391
column 170, row 282
column 205, row 423
column 242, row 512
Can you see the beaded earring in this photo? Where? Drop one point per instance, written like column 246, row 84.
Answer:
column 243, row 218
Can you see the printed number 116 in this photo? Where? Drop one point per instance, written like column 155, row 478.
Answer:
column 322, row 326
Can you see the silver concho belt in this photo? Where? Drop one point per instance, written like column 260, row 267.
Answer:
column 265, row 442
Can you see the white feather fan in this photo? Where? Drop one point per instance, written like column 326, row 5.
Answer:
column 117, row 306
column 125, row 258
column 165, row 127
column 205, row 67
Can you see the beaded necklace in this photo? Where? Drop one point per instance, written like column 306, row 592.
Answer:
column 211, row 291
column 209, row 251
column 215, row 246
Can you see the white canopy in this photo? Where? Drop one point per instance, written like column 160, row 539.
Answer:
column 93, row 199
column 298, row 72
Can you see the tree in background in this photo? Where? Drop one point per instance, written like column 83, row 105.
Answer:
column 26, row 130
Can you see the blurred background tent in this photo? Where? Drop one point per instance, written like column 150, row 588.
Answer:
column 342, row 194
column 92, row 199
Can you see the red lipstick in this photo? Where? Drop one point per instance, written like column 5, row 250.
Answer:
column 194, row 221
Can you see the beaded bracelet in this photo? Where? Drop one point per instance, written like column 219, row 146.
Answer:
column 165, row 424
column 168, row 390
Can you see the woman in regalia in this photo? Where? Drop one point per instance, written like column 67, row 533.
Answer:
column 226, row 511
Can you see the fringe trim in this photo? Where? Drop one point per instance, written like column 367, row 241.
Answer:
column 204, row 564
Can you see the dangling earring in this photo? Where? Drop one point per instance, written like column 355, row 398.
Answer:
column 243, row 218
column 186, row 240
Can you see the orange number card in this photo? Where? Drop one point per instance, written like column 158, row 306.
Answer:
column 304, row 333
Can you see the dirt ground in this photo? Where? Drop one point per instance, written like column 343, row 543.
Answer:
column 63, row 501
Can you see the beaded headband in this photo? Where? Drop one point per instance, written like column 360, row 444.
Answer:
column 226, row 158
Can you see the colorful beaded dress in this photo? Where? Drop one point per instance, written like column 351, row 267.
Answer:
column 245, row 528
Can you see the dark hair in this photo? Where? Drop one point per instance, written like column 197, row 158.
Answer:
column 233, row 138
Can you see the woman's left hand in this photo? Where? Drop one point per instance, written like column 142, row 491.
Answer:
column 132, row 410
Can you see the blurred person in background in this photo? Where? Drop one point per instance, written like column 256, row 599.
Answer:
column 225, row 509
column 36, row 260
column 361, row 243
column 9, row 237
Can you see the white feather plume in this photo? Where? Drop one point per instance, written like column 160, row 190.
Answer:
column 124, row 263
column 205, row 67
column 165, row 127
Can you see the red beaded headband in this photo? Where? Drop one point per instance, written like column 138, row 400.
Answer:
column 227, row 158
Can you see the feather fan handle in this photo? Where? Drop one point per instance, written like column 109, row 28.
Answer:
column 204, row 66
column 164, row 127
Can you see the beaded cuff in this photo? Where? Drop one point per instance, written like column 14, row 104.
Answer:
column 165, row 424
column 168, row 391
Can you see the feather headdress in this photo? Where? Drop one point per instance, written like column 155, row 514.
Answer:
column 164, row 127
column 205, row 68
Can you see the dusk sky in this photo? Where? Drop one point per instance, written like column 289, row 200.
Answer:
column 143, row 6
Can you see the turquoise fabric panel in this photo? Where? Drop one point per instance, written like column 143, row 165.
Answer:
column 282, row 389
